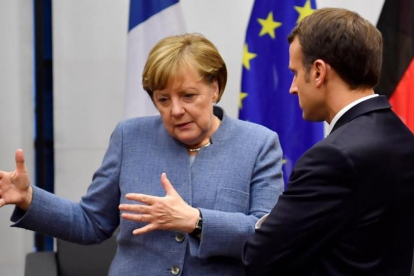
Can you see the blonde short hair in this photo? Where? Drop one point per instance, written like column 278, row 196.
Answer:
column 173, row 53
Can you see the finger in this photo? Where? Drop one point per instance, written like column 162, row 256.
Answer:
column 2, row 202
column 137, row 218
column 135, row 208
column 142, row 198
column 20, row 166
column 168, row 187
column 4, row 174
column 146, row 229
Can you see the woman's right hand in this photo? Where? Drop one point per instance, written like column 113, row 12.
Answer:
column 15, row 186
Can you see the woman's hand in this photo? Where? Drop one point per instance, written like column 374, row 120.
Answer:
column 15, row 186
column 161, row 213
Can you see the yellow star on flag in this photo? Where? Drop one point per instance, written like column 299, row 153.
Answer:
column 247, row 57
column 268, row 25
column 304, row 11
column 242, row 95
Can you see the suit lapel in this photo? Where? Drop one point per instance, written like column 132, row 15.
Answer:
column 373, row 104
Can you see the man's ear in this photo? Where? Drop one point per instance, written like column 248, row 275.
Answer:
column 320, row 72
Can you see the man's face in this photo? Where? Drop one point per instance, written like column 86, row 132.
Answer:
column 310, row 98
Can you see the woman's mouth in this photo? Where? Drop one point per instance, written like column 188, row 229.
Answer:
column 183, row 125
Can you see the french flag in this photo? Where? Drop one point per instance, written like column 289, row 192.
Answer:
column 149, row 22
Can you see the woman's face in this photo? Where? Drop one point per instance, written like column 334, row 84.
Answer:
column 186, row 107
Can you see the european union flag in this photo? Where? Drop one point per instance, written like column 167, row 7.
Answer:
column 266, row 79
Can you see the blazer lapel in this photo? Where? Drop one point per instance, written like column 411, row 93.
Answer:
column 373, row 104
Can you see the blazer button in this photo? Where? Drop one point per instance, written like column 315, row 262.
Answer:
column 175, row 270
column 179, row 237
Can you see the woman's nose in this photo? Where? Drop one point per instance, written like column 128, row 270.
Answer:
column 177, row 108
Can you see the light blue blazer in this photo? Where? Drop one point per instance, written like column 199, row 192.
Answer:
column 234, row 182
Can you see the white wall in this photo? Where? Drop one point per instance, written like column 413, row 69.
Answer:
column 16, row 118
column 89, row 40
column 89, row 50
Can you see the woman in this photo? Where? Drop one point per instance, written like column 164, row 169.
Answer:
column 223, row 175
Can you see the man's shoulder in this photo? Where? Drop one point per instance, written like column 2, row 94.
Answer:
column 378, row 128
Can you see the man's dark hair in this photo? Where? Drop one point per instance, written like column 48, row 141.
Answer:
column 347, row 42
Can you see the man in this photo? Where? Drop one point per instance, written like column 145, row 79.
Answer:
column 348, row 209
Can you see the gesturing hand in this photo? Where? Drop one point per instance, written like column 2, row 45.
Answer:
column 15, row 186
column 163, row 213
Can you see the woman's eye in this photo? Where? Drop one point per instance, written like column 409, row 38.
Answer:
column 162, row 99
column 189, row 96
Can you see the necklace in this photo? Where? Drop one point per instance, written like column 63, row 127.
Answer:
column 203, row 146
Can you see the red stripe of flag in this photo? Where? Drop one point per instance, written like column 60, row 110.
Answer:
column 402, row 99
column 396, row 24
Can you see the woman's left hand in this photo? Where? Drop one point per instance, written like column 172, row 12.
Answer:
column 170, row 212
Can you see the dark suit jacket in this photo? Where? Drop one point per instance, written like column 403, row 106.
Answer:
column 348, row 209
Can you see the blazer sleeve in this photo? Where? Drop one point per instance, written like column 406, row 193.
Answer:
column 90, row 221
column 314, row 208
column 224, row 233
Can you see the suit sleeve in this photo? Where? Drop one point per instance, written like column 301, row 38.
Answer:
column 90, row 221
column 309, row 214
column 224, row 233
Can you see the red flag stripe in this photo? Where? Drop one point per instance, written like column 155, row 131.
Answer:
column 402, row 99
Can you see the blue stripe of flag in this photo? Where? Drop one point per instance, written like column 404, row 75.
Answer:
column 141, row 10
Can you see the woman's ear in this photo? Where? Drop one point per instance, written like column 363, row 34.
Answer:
column 215, row 90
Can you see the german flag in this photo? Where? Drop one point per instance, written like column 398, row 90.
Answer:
column 396, row 24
